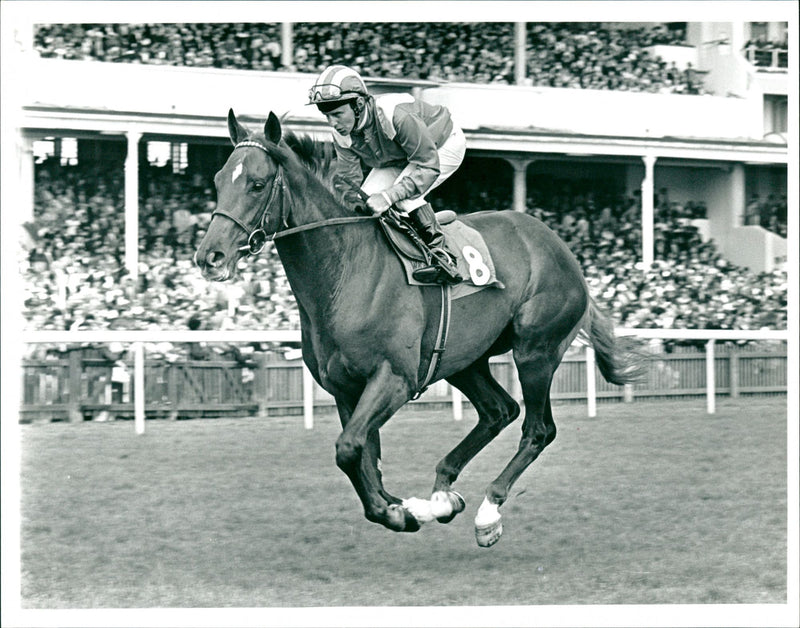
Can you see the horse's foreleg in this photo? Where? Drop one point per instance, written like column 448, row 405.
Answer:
column 372, row 465
column 357, row 448
column 371, row 461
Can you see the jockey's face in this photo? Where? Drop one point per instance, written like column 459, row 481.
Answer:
column 343, row 119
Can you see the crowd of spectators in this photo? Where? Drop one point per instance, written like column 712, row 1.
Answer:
column 447, row 51
column 770, row 213
column 579, row 54
column 592, row 57
column 689, row 286
column 74, row 273
column 245, row 46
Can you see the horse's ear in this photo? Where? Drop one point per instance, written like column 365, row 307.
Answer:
column 272, row 128
column 236, row 130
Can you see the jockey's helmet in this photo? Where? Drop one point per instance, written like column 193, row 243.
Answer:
column 336, row 85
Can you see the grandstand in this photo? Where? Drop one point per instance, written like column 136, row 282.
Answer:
column 658, row 151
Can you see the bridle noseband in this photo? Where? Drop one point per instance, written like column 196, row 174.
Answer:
column 257, row 236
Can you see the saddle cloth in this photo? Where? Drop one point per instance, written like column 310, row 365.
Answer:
column 474, row 261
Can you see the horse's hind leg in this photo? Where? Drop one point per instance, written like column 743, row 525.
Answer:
column 538, row 431
column 496, row 409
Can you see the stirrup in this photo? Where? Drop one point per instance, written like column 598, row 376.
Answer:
column 436, row 274
column 447, row 262
column 441, row 271
column 428, row 274
column 444, row 257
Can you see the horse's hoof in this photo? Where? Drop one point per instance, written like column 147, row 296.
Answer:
column 488, row 524
column 411, row 523
column 400, row 520
column 445, row 505
column 488, row 535
column 420, row 509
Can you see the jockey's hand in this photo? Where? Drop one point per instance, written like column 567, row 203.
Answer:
column 378, row 203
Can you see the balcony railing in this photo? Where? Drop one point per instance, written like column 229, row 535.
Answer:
column 768, row 58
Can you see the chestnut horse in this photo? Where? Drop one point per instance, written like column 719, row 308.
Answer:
column 368, row 336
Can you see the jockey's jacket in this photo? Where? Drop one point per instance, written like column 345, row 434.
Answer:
column 398, row 130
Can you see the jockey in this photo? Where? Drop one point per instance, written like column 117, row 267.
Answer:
column 410, row 146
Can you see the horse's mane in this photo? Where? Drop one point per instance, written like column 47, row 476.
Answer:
column 319, row 158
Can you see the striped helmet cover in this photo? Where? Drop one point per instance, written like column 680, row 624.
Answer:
column 336, row 83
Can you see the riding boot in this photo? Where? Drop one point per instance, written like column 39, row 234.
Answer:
column 423, row 219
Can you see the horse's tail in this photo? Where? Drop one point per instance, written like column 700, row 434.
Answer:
column 617, row 358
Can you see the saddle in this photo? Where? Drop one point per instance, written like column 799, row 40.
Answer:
column 472, row 255
column 404, row 239
column 474, row 261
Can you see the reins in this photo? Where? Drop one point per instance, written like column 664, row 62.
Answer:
column 340, row 220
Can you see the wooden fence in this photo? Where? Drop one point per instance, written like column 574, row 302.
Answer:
column 79, row 385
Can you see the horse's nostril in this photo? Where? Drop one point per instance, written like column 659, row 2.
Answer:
column 215, row 258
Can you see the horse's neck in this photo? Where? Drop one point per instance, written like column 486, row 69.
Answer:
column 312, row 202
column 318, row 260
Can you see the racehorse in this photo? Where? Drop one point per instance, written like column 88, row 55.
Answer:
column 368, row 336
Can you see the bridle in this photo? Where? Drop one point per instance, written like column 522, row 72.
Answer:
column 257, row 236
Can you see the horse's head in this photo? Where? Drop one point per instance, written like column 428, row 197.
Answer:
column 250, row 200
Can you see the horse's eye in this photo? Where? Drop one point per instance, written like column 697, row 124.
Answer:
column 258, row 186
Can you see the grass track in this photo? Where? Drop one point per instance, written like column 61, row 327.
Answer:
column 649, row 503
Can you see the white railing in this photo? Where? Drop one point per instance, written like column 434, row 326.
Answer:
column 709, row 335
column 138, row 338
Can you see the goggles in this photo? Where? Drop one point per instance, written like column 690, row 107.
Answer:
column 326, row 92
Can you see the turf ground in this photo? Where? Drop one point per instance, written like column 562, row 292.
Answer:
column 646, row 504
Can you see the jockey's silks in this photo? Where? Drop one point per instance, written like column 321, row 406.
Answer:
column 399, row 130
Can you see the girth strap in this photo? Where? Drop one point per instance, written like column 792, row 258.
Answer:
column 441, row 341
